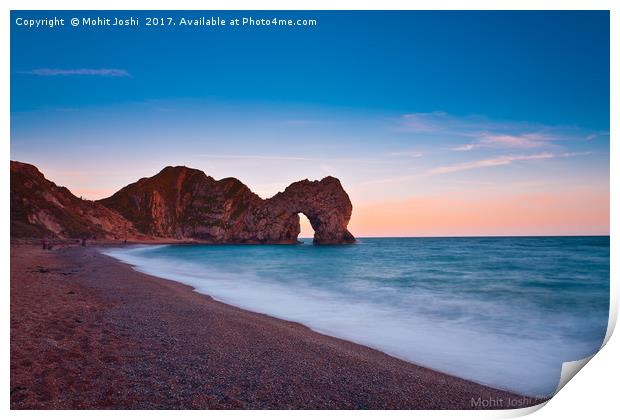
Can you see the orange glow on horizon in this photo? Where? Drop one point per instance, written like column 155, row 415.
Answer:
column 581, row 211
column 584, row 213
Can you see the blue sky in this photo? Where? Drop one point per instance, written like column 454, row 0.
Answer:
column 399, row 105
column 550, row 67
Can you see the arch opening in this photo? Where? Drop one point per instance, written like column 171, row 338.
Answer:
column 306, row 231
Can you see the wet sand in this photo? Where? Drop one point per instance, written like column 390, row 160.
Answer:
column 88, row 331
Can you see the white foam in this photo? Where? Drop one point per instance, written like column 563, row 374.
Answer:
column 450, row 347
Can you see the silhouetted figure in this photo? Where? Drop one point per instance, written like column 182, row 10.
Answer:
column 44, row 243
column 83, row 241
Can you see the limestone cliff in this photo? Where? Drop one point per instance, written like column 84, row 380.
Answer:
column 183, row 204
column 40, row 208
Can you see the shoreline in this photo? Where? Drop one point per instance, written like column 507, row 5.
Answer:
column 216, row 355
column 284, row 319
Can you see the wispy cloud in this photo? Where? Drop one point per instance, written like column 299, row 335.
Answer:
column 508, row 141
column 423, row 121
column 499, row 161
column 301, row 122
column 331, row 160
column 79, row 72
column 464, row 147
column 597, row 135
column 405, row 154
column 255, row 157
column 392, row 180
column 475, row 132
column 441, row 122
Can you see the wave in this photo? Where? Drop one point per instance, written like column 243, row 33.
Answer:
column 455, row 333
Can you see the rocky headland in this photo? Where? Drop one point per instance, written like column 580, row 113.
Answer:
column 179, row 203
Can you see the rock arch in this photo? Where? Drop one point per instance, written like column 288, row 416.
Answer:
column 325, row 203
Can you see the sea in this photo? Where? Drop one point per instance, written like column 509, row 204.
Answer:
column 500, row 311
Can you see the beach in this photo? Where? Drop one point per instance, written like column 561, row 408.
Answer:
column 88, row 331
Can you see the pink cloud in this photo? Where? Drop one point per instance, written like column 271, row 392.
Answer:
column 405, row 153
column 501, row 161
column 465, row 147
column 483, row 163
column 518, row 141
column 508, row 141
column 478, row 132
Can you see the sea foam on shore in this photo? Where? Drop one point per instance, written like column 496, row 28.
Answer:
column 504, row 312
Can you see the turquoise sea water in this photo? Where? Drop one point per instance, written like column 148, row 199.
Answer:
column 502, row 311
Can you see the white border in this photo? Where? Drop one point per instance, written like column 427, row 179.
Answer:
column 593, row 394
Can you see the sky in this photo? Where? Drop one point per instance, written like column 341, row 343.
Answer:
column 436, row 123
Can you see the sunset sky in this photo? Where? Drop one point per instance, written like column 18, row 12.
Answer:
column 436, row 123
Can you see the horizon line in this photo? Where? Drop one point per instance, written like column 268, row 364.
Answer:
column 475, row 236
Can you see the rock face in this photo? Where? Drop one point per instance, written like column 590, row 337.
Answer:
column 183, row 204
column 324, row 202
column 40, row 208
